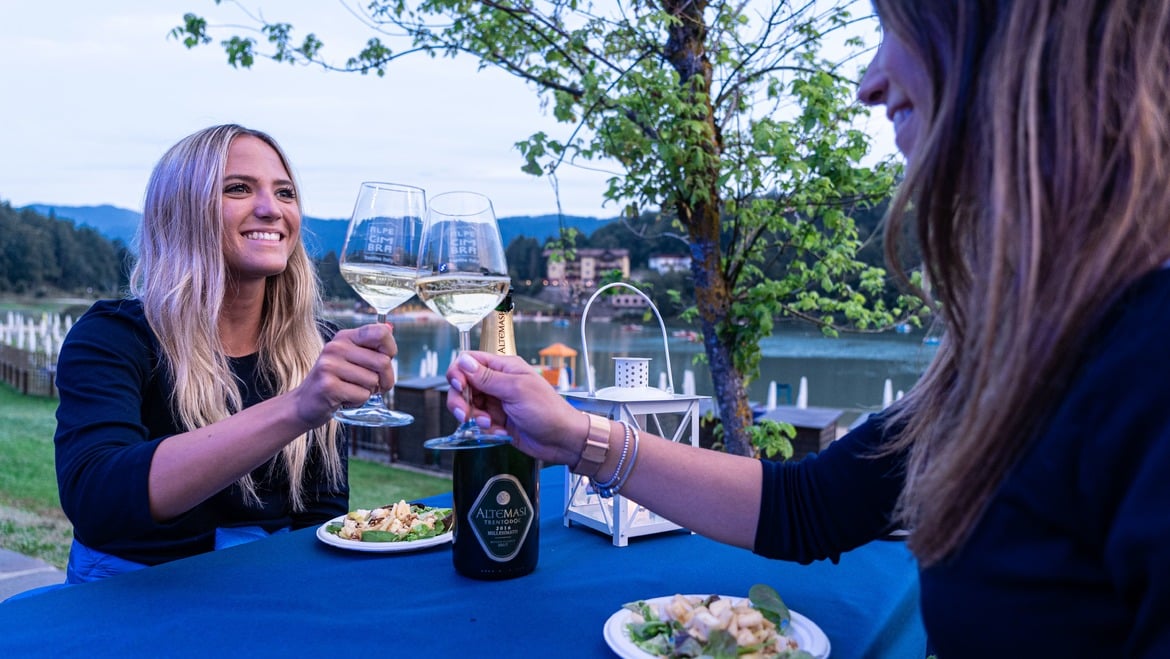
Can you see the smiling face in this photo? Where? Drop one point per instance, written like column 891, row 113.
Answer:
column 897, row 79
column 261, row 218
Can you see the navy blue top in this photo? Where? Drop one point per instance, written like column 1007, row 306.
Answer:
column 1072, row 556
column 115, row 408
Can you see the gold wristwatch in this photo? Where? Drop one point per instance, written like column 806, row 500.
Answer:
column 596, row 445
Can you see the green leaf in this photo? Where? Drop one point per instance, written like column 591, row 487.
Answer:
column 721, row 645
column 380, row 536
column 765, row 599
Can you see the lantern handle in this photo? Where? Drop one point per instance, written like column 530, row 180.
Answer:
column 585, row 346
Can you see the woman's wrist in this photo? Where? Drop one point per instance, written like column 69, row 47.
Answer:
column 595, row 454
column 625, row 464
column 595, row 459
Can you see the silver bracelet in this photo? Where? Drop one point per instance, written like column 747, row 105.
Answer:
column 601, row 487
column 610, row 489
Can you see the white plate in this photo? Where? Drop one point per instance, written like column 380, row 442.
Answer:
column 382, row 547
column 808, row 636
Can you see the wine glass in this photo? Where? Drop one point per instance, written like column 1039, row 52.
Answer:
column 380, row 262
column 462, row 276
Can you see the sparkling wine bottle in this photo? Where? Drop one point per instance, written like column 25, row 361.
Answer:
column 496, row 489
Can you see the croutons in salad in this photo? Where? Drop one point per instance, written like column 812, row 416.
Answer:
column 713, row 626
column 400, row 522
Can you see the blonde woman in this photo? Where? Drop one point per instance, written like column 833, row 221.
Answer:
column 1030, row 462
column 197, row 413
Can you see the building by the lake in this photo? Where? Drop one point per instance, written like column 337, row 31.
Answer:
column 572, row 280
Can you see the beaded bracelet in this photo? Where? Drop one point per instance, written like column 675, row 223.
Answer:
column 602, row 487
column 611, row 488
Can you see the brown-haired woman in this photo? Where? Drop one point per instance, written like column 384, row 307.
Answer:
column 1030, row 461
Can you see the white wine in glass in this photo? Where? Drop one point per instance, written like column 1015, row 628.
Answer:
column 463, row 300
column 380, row 262
column 462, row 276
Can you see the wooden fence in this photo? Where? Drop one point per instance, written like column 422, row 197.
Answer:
column 425, row 400
column 33, row 373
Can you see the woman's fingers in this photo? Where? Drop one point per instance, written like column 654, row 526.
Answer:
column 508, row 394
column 370, row 347
column 354, row 364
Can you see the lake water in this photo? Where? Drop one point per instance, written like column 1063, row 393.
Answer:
column 847, row 373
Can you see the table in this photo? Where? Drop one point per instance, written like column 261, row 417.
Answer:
column 292, row 596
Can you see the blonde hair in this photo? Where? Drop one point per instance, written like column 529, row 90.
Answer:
column 1040, row 192
column 181, row 278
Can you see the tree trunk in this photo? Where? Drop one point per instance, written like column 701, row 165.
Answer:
column 685, row 49
column 712, row 300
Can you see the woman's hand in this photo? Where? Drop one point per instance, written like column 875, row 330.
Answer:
column 508, row 395
column 354, row 364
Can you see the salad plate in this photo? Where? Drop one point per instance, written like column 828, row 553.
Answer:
column 807, row 634
column 334, row 540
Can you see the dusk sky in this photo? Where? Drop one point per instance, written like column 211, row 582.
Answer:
column 95, row 92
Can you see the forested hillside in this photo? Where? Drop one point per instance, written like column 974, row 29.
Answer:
column 321, row 235
column 41, row 255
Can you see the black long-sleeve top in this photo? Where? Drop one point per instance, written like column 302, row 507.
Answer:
column 115, row 408
column 1072, row 556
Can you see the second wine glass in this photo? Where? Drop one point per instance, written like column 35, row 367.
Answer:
column 379, row 261
column 462, row 276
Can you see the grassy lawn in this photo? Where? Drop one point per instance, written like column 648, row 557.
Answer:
column 31, row 521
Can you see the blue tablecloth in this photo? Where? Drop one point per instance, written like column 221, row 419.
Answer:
column 292, row 596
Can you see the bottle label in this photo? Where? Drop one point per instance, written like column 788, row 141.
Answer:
column 500, row 517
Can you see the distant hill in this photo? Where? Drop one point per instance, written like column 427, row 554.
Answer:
column 321, row 235
column 543, row 227
column 110, row 221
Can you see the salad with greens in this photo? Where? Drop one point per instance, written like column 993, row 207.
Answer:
column 400, row 522
column 717, row 627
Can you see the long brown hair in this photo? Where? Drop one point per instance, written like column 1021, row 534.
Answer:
column 181, row 278
column 1041, row 190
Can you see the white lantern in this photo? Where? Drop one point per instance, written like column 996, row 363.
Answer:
column 649, row 409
